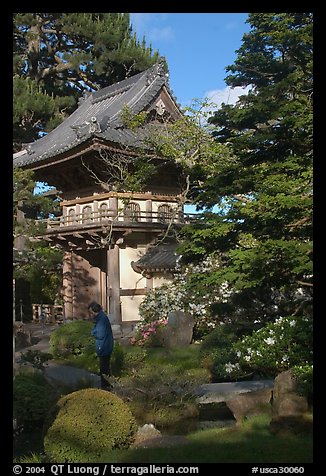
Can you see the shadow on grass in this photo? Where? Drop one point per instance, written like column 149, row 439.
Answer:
column 251, row 443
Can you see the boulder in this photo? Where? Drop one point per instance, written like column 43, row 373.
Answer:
column 146, row 432
column 286, row 398
column 178, row 331
column 289, row 408
column 148, row 436
column 250, row 403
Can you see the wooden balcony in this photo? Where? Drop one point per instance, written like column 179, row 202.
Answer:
column 130, row 217
column 93, row 230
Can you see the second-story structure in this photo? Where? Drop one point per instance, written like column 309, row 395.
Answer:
column 112, row 237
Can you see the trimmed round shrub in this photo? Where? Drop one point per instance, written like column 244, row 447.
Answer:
column 88, row 424
column 73, row 338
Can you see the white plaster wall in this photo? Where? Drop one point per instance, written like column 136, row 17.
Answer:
column 156, row 204
column 121, row 206
column 130, row 306
column 129, row 279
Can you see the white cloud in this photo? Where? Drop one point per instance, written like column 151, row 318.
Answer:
column 150, row 24
column 164, row 34
column 227, row 95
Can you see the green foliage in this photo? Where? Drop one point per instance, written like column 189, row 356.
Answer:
column 88, row 423
column 31, row 399
column 304, row 376
column 74, row 343
column 38, row 262
column 132, row 121
column 216, row 352
column 117, row 359
column 278, row 346
column 73, row 338
column 32, row 458
column 134, row 359
column 159, row 385
column 220, row 337
column 32, row 108
column 261, row 230
column 136, row 175
column 154, row 310
column 32, row 206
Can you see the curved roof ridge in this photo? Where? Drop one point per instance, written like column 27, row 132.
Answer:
column 115, row 88
column 98, row 114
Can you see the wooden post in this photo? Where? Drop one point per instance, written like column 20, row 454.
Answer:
column 149, row 216
column 67, row 283
column 114, row 284
column 113, row 206
column 21, row 309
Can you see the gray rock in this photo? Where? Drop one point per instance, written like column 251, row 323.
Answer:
column 179, row 330
column 250, row 403
column 286, row 399
column 222, row 392
column 289, row 409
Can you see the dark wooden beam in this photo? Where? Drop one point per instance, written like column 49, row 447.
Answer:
column 133, row 292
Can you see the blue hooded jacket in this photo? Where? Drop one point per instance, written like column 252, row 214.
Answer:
column 102, row 332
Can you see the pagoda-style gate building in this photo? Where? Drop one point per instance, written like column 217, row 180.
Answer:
column 111, row 238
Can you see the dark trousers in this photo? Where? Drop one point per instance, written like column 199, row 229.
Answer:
column 105, row 370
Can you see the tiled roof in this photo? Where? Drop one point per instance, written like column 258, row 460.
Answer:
column 158, row 258
column 98, row 115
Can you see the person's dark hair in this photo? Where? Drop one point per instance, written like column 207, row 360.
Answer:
column 95, row 307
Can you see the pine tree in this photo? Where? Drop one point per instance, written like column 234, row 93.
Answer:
column 59, row 55
column 262, row 232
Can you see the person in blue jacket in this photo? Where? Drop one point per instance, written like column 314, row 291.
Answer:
column 104, row 342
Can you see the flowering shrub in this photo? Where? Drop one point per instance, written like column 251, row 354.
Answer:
column 147, row 333
column 218, row 355
column 278, row 346
column 160, row 301
column 180, row 295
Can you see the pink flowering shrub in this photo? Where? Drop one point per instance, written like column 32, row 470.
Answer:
column 147, row 333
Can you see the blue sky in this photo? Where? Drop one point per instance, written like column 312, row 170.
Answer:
column 198, row 47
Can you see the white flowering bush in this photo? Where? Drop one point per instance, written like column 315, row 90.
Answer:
column 158, row 302
column 179, row 296
column 278, row 346
column 218, row 356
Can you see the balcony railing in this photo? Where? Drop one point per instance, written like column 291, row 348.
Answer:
column 127, row 216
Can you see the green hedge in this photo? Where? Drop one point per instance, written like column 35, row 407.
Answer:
column 73, row 338
column 32, row 398
column 87, row 424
